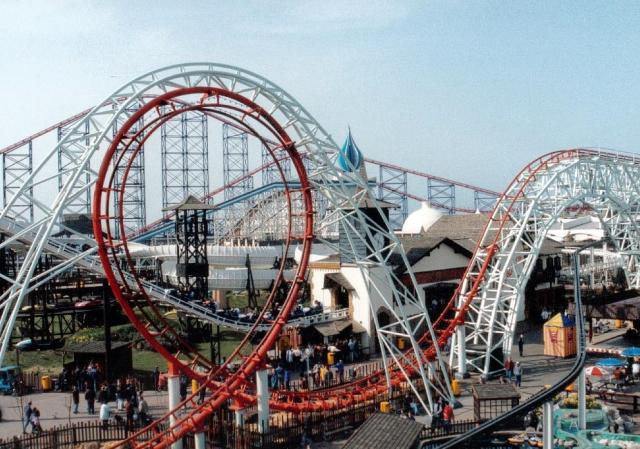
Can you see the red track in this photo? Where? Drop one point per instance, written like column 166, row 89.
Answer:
column 219, row 380
column 154, row 327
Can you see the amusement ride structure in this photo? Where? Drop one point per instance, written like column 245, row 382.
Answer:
column 321, row 194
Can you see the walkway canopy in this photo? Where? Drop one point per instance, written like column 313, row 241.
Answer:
column 383, row 431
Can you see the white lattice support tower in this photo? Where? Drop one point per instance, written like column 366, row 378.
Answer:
column 483, row 201
column 235, row 167
column 560, row 185
column 134, row 203
column 392, row 187
column 344, row 193
column 442, row 194
column 16, row 167
column 82, row 203
column 270, row 172
column 184, row 146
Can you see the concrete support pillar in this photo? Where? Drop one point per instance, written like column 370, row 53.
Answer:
column 173, row 388
column 461, row 351
column 199, row 440
column 547, row 424
column 262, row 390
column 582, row 401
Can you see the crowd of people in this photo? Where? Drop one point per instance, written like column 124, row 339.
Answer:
column 314, row 366
column 88, row 382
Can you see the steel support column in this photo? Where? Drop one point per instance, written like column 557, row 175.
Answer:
column 17, row 166
column 442, row 194
column 185, row 158
column 392, row 188
column 67, row 156
column 134, row 202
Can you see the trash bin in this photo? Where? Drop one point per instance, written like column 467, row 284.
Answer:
column 455, row 387
column 45, row 383
column 385, row 407
column 194, row 386
column 618, row 324
column 331, row 358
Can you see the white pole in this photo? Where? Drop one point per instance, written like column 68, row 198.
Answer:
column 199, row 440
column 461, row 351
column 582, row 401
column 592, row 261
column 239, row 417
column 173, row 388
column 262, row 390
column 547, row 424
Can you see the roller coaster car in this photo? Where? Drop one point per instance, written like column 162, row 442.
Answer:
column 88, row 304
column 8, row 376
column 36, row 308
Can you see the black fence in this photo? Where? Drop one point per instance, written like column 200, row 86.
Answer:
column 285, row 430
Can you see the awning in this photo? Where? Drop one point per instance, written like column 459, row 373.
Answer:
column 336, row 279
column 357, row 328
column 337, row 327
column 627, row 309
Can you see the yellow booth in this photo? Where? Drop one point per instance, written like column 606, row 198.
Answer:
column 560, row 336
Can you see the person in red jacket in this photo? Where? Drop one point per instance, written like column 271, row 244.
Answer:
column 447, row 416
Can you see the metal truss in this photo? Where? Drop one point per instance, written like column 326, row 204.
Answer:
column 270, row 173
column 235, row 162
column 133, row 204
column 82, row 203
column 344, row 193
column 16, row 167
column 560, row 185
column 185, row 158
column 442, row 195
column 484, row 201
column 235, row 169
column 392, row 188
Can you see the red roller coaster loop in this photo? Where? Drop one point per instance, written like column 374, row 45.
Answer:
column 129, row 292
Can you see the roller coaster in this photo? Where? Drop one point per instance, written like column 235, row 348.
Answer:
column 479, row 318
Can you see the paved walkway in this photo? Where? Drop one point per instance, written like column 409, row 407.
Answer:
column 55, row 410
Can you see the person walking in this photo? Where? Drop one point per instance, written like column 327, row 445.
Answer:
column 352, row 346
column 36, row 427
column 120, row 394
column 436, row 415
column 156, row 379
column 183, row 389
column 75, row 399
column 28, row 411
column 103, row 395
column 517, row 371
column 521, row 345
column 105, row 411
column 508, row 369
column 447, row 416
column 129, row 412
column 340, row 371
column 90, row 397
column 143, row 409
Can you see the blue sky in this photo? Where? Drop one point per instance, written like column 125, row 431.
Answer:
column 471, row 90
